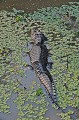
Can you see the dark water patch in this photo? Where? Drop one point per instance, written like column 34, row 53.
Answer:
column 31, row 5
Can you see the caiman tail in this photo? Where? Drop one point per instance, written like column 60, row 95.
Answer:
column 45, row 80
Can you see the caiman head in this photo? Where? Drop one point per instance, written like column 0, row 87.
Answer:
column 37, row 37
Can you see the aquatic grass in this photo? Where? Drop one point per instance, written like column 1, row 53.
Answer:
column 63, row 39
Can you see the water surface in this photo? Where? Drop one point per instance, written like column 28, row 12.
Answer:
column 31, row 5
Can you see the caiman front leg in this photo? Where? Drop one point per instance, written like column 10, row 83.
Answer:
column 27, row 65
column 29, row 46
column 27, row 54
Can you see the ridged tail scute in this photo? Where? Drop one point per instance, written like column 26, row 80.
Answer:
column 45, row 80
column 48, row 85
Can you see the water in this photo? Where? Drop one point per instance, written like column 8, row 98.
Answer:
column 31, row 5
column 13, row 109
column 27, row 82
column 30, row 75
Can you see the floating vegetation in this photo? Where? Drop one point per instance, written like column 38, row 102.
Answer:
column 61, row 26
column 29, row 105
column 66, row 116
column 39, row 92
column 18, row 18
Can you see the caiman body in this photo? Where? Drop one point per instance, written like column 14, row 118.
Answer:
column 39, row 60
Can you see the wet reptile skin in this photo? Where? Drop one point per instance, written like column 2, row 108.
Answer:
column 39, row 60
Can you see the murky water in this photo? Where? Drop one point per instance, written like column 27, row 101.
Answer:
column 31, row 5
column 13, row 109
column 27, row 82
column 30, row 76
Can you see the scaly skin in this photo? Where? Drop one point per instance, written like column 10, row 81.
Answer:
column 38, row 58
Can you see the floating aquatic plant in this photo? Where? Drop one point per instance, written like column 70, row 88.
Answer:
column 18, row 18
column 63, row 38
column 39, row 92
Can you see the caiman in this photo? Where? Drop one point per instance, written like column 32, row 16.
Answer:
column 39, row 60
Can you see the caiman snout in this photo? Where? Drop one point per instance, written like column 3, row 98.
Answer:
column 36, row 36
column 38, row 40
